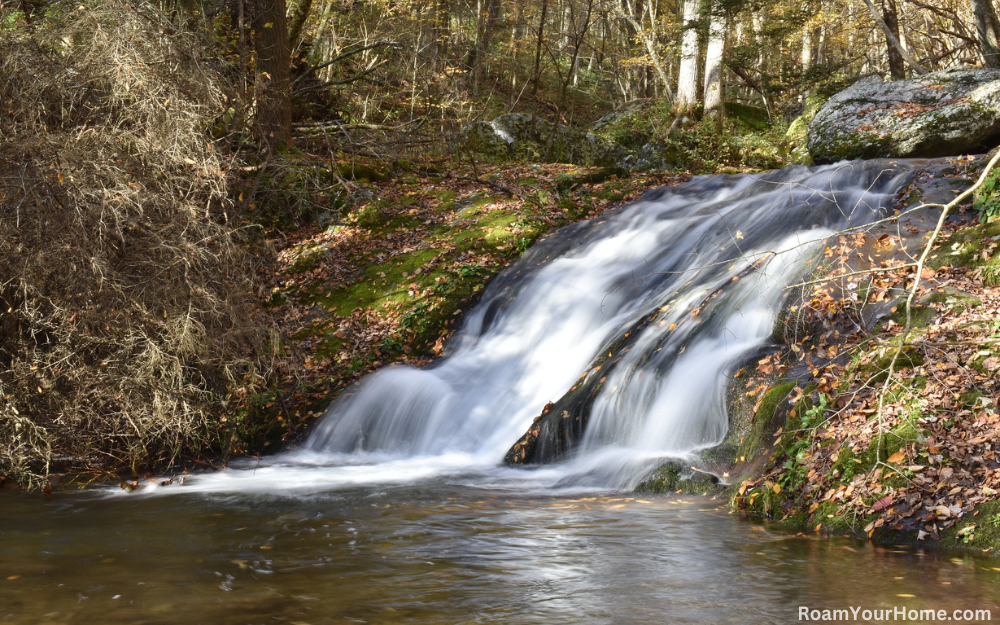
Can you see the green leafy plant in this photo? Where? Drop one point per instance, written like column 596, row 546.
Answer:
column 987, row 200
column 814, row 415
column 797, row 472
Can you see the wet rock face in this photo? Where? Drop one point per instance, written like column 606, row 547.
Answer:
column 944, row 113
column 521, row 135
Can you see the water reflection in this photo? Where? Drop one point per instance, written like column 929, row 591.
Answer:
column 436, row 553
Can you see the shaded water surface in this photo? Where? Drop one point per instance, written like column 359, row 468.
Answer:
column 444, row 553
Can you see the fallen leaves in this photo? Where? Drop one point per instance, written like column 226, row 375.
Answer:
column 924, row 455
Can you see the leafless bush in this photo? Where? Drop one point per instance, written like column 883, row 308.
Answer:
column 126, row 319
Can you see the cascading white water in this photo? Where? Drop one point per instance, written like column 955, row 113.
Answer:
column 711, row 258
column 533, row 335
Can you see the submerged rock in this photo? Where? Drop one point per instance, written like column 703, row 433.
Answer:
column 944, row 113
column 522, row 135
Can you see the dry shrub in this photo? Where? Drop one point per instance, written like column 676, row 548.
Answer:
column 125, row 302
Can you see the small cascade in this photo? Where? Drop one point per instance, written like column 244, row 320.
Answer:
column 629, row 323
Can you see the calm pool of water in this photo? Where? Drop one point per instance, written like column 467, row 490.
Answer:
column 442, row 552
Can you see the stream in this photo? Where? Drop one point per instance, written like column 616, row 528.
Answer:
column 458, row 550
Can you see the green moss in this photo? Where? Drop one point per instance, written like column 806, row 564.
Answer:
column 755, row 440
column 376, row 289
column 920, row 316
column 670, row 478
column 638, row 125
column 359, row 172
column 857, row 144
column 878, row 370
column 471, row 206
column 846, row 466
column 663, row 480
column 979, row 530
column 446, row 200
column 963, row 248
column 797, row 130
column 956, row 300
column 886, row 444
column 567, row 182
column 371, row 217
column 329, row 347
column 794, row 421
column 971, row 399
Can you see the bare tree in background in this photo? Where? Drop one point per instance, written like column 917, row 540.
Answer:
column 272, row 81
column 687, row 75
column 714, row 91
column 988, row 31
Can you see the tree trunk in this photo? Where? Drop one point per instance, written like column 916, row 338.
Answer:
column 484, row 32
column 272, row 82
column 650, row 44
column 893, row 40
column 987, row 29
column 298, row 23
column 897, row 69
column 538, row 49
column 687, row 75
column 443, row 27
column 714, row 101
column 807, row 48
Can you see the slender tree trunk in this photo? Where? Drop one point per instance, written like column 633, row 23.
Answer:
column 538, row 48
column 299, row 18
column 272, row 81
column 443, row 28
column 987, row 29
column 807, row 63
column 897, row 69
column 892, row 39
column 576, row 40
column 650, row 44
column 687, row 75
column 484, row 32
column 715, row 108
column 241, row 26
column 807, row 48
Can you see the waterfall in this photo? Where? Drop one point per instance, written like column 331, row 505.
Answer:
column 709, row 260
column 633, row 322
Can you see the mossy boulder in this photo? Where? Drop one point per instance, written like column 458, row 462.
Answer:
column 525, row 136
column 944, row 113
column 672, row 477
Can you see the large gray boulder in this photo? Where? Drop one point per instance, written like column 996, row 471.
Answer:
column 944, row 113
column 517, row 135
